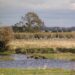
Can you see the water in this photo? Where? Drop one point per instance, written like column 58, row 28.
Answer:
column 21, row 61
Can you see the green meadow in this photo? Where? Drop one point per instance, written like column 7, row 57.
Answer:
column 35, row 72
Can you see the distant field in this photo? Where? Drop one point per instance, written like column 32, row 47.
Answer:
column 35, row 72
column 45, row 35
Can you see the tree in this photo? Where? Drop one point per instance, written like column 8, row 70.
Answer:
column 31, row 22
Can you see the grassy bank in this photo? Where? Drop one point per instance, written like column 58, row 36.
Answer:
column 36, row 72
column 5, row 58
column 59, row 56
column 55, row 56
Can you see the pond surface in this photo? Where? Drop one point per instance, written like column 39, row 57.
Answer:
column 21, row 61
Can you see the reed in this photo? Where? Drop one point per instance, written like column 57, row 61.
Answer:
column 53, row 43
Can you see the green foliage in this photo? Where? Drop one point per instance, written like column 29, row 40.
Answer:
column 65, row 50
column 34, row 50
column 8, row 71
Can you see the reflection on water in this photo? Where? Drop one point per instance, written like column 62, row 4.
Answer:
column 21, row 61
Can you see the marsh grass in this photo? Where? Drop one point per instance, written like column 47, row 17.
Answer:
column 53, row 43
column 54, row 48
column 56, row 56
column 44, row 35
column 5, row 57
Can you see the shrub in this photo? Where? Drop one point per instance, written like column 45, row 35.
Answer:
column 6, row 35
column 71, row 50
column 18, row 50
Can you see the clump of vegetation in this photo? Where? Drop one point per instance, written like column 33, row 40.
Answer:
column 65, row 50
column 34, row 50
column 6, row 35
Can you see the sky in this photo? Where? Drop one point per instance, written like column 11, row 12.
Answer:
column 52, row 12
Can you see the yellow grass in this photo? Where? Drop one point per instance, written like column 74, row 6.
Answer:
column 53, row 43
column 45, row 35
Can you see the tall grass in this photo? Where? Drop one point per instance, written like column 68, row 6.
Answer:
column 45, row 35
column 56, row 43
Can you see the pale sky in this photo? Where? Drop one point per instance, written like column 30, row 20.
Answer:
column 52, row 12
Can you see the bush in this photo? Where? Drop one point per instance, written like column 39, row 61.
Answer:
column 71, row 50
column 6, row 35
column 2, row 46
column 18, row 50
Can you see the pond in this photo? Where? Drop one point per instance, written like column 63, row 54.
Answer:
column 21, row 61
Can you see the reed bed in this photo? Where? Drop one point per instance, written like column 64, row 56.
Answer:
column 53, row 43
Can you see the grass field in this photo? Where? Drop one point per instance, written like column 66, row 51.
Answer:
column 35, row 72
column 44, row 35
column 53, row 43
